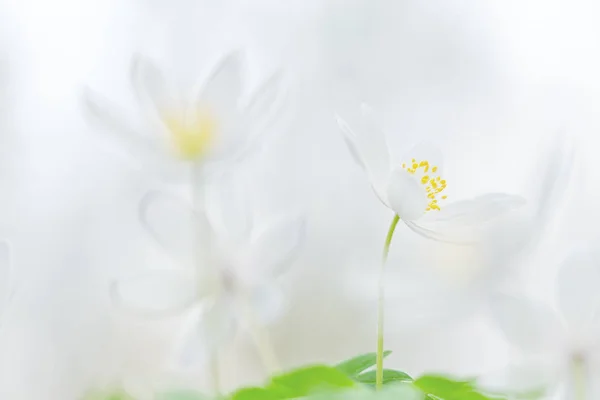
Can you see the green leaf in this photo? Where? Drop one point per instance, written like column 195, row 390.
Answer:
column 255, row 394
column 389, row 376
column 441, row 387
column 354, row 366
column 298, row 383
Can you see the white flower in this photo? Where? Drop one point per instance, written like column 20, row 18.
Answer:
column 228, row 262
column 190, row 127
column 559, row 347
column 414, row 188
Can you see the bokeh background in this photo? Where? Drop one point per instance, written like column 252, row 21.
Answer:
column 488, row 80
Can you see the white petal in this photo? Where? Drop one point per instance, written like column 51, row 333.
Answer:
column 152, row 91
column 155, row 293
column 532, row 375
column 406, row 196
column 229, row 208
column 350, row 139
column 272, row 248
column 109, row 117
column 367, row 143
column 527, row 324
column 472, row 221
column 185, row 235
column 268, row 302
column 551, row 178
column 206, row 330
column 266, row 102
column 221, row 91
column 577, row 290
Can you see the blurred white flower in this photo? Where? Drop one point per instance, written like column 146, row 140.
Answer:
column 227, row 262
column 414, row 188
column 559, row 348
column 182, row 128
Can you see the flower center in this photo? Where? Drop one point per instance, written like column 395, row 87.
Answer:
column 192, row 138
column 433, row 183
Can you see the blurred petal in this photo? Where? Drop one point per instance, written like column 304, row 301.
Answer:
column 184, row 235
column 152, row 90
column 529, row 325
column 108, row 117
column 268, row 301
column 368, row 146
column 578, row 296
column 350, row 139
column 266, row 102
column 533, row 375
column 406, row 196
column 206, row 330
column 221, row 91
column 272, row 248
column 463, row 222
column 155, row 293
column 229, row 209
column 555, row 166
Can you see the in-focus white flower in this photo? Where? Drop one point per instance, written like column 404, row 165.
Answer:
column 414, row 188
column 228, row 263
column 183, row 127
column 559, row 347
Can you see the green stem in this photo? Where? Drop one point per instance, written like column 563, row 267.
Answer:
column 579, row 378
column 381, row 303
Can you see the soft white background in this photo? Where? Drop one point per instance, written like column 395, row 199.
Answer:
column 488, row 79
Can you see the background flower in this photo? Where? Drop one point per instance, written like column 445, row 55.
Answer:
column 184, row 127
column 225, row 269
column 558, row 346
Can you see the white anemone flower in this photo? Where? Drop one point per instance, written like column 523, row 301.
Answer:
column 180, row 129
column 414, row 188
column 558, row 348
column 227, row 265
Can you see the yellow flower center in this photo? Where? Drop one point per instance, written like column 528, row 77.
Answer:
column 192, row 138
column 434, row 184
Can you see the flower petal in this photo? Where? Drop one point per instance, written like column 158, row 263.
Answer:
column 406, row 196
column 367, row 144
column 266, row 102
column 205, row 331
column 155, row 293
column 229, row 208
column 184, row 234
column 532, row 375
column 529, row 325
column 466, row 221
column 350, row 138
column 152, row 91
column 577, row 291
column 221, row 91
column 556, row 166
column 101, row 112
column 272, row 248
column 268, row 301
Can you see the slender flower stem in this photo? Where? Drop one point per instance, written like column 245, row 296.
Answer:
column 261, row 338
column 196, row 196
column 579, row 381
column 381, row 303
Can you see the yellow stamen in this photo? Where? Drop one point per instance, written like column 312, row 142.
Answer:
column 192, row 139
